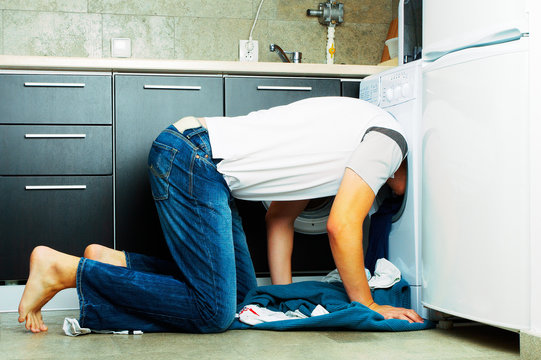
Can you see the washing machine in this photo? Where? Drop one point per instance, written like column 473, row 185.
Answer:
column 311, row 258
column 399, row 91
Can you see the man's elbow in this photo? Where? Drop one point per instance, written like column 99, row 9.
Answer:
column 336, row 228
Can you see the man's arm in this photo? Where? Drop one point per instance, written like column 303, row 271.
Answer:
column 345, row 228
column 280, row 219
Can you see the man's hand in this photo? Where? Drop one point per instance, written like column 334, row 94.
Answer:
column 390, row 312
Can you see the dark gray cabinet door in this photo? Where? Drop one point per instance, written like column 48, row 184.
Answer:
column 55, row 99
column 351, row 88
column 246, row 94
column 144, row 106
column 56, row 150
column 66, row 213
column 311, row 253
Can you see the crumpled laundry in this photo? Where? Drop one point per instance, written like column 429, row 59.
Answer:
column 385, row 275
column 343, row 314
column 71, row 327
column 253, row 314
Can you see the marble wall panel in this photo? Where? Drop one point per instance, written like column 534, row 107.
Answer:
column 190, row 29
column 1, row 33
column 45, row 5
column 210, row 39
column 190, row 8
column 52, row 34
column 151, row 36
column 307, row 37
column 360, row 43
column 368, row 11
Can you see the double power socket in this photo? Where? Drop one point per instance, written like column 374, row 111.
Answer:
column 248, row 50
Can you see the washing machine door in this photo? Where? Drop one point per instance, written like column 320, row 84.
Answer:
column 313, row 220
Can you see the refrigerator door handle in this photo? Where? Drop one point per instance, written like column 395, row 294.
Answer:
column 490, row 37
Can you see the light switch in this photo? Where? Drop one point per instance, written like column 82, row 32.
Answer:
column 121, row 47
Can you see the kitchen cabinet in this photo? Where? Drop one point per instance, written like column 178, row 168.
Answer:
column 246, row 94
column 55, row 165
column 311, row 252
column 144, row 106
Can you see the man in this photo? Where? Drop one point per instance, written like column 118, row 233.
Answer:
column 308, row 149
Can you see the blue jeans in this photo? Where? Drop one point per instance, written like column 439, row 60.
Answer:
column 211, row 271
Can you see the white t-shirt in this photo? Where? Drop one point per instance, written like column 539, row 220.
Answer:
column 292, row 152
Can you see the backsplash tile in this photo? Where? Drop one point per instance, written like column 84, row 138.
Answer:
column 152, row 37
column 209, row 38
column 193, row 8
column 45, row 5
column 52, row 34
column 190, row 29
column 1, row 32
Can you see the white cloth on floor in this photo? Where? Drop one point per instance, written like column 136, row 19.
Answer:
column 385, row 275
column 253, row 314
column 334, row 276
column 71, row 327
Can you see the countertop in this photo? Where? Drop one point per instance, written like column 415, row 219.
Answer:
column 14, row 62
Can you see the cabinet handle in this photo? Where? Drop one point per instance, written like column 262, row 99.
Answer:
column 66, row 85
column 171, row 87
column 285, row 88
column 55, row 187
column 55, row 136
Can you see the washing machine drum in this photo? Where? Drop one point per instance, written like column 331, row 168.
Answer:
column 313, row 220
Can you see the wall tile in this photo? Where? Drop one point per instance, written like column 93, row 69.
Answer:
column 210, row 39
column 284, row 9
column 360, row 43
column 1, row 33
column 368, row 11
column 296, row 10
column 190, row 29
column 52, row 34
column 151, row 36
column 196, row 8
column 45, row 5
column 306, row 37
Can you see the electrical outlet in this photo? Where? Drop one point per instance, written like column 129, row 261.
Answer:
column 248, row 50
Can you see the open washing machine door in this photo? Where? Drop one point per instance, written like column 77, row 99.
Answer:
column 313, row 220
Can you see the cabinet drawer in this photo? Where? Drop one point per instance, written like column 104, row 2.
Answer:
column 246, row 94
column 65, row 213
column 55, row 99
column 144, row 106
column 56, row 150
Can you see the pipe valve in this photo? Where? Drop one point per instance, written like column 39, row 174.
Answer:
column 329, row 13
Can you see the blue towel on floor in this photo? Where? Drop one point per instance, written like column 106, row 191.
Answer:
column 343, row 314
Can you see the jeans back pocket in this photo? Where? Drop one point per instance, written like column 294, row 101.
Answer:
column 160, row 162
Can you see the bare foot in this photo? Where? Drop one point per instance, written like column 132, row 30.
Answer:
column 105, row 255
column 50, row 272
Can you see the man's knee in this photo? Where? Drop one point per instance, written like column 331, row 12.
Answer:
column 92, row 251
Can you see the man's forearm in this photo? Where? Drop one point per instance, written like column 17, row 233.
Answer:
column 348, row 256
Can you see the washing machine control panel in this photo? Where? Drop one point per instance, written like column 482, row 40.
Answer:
column 369, row 90
column 398, row 86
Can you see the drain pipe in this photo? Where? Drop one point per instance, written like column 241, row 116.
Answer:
column 330, row 14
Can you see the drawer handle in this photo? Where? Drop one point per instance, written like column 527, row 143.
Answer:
column 55, row 187
column 171, row 87
column 66, row 85
column 285, row 88
column 55, row 136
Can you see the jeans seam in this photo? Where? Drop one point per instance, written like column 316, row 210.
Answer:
column 128, row 259
column 214, row 307
column 78, row 280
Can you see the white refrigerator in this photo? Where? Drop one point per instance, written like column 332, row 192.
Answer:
column 479, row 157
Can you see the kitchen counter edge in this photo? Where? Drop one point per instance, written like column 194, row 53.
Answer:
column 15, row 62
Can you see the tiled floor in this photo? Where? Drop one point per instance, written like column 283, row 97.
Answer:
column 464, row 342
